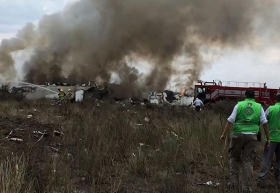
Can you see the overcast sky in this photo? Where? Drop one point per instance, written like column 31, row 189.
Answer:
column 243, row 65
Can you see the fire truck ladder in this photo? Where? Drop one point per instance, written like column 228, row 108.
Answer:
column 243, row 84
column 222, row 92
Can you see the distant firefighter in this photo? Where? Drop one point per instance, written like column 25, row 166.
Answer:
column 61, row 94
column 69, row 95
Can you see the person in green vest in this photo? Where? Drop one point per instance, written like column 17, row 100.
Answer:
column 245, row 121
column 273, row 117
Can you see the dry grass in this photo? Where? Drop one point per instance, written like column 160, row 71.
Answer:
column 113, row 148
column 12, row 172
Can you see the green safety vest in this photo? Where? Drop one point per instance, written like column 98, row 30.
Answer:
column 247, row 117
column 274, row 122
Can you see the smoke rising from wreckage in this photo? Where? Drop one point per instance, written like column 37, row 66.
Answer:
column 92, row 91
column 92, row 39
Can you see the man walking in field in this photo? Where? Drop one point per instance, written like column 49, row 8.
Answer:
column 273, row 117
column 198, row 104
column 246, row 118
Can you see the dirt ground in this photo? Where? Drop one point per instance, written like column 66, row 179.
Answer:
column 25, row 135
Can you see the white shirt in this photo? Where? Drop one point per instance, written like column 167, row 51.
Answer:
column 198, row 102
column 267, row 112
column 232, row 117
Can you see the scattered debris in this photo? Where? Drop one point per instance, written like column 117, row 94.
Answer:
column 8, row 134
column 177, row 136
column 29, row 116
column 40, row 133
column 209, row 183
column 141, row 144
column 221, row 162
column 16, row 139
column 22, row 89
column 96, row 91
column 139, row 124
column 171, row 98
column 57, row 133
column 54, row 149
column 147, row 119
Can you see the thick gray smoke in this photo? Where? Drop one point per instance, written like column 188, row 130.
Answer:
column 91, row 39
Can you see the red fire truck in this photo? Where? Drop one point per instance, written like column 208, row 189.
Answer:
column 217, row 90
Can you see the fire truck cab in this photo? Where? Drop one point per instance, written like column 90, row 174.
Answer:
column 217, row 90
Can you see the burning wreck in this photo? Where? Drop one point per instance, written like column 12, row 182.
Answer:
column 22, row 89
column 151, row 35
column 168, row 97
column 96, row 92
column 17, row 89
column 93, row 91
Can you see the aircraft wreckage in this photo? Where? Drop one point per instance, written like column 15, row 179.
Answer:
column 91, row 91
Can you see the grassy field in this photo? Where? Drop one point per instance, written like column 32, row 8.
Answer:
column 113, row 148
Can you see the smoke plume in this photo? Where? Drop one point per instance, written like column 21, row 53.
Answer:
column 92, row 39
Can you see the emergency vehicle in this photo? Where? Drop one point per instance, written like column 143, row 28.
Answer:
column 217, row 90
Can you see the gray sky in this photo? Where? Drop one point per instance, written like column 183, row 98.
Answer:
column 16, row 13
column 258, row 65
column 247, row 66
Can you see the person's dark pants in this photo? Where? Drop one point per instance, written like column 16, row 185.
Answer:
column 241, row 153
column 268, row 154
column 197, row 108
